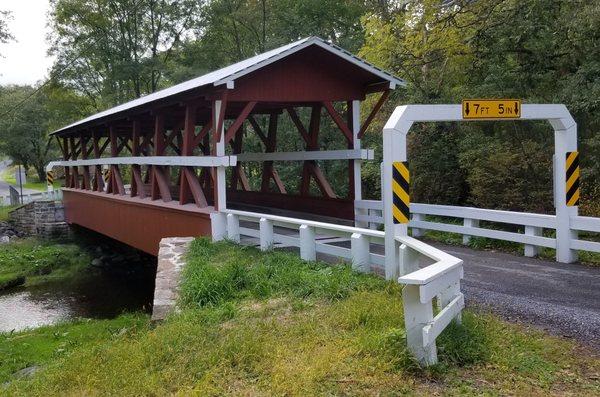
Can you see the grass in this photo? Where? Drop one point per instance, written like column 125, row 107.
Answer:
column 32, row 261
column 257, row 323
column 33, row 182
column 4, row 210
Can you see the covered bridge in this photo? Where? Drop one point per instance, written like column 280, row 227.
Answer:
column 159, row 165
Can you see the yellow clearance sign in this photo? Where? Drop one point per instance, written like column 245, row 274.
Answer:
column 491, row 109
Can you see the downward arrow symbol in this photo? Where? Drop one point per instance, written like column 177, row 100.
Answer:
column 517, row 108
column 467, row 109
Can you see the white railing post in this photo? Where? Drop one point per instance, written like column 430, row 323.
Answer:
column 532, row 250
column 266, row 234
column 218, row 225
column 416, row 232
column 359, row 245
column 416, row 316
column 565, row 140
column 469, row 223
column 233, row 228
column 308, row 248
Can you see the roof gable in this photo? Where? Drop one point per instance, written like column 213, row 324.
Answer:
column 228, row 75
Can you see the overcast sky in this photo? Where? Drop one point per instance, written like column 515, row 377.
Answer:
column 24, row 61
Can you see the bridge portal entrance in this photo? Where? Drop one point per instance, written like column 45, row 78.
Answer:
column 565, row 154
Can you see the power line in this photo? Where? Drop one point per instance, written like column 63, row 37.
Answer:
column 38, row 89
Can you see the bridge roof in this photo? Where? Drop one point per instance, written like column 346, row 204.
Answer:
column 228, row 75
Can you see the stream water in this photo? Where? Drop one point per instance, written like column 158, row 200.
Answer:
column 98, row 293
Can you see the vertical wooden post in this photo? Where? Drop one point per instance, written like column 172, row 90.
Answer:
column 159, row 181
column 115, row 182
column 67, row 156
column 75, row 170
column 137, row 184
column 268, row 169
column 98, row 179
column 312, row 144
column 86, row 170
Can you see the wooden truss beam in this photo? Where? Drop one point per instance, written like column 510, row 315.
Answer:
column 374, row 111
column 159, row 185
column 189, row 186
column 232, row 130
column 339, row 121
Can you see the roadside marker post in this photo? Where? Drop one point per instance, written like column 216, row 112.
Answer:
column 572, row 176
column 50, row 180
column 401, row 190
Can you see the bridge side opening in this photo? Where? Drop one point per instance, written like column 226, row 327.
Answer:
column 265, row 134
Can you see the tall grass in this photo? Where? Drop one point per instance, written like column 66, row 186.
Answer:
column 255, row 323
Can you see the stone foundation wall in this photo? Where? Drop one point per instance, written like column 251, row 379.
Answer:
column 40, row 218
column 171, row 260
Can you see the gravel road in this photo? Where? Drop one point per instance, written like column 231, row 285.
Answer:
column 563, row 299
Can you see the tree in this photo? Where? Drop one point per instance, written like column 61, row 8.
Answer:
column 24, row 130
column 5, row 35
column 115, row 50
column 228, row 31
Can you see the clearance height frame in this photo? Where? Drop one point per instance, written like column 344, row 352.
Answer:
column 394, row 150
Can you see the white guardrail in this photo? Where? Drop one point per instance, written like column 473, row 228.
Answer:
column 440, row 277
column 370, row 212
column 55, row 195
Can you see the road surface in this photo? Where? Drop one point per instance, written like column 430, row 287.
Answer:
column 563, row 299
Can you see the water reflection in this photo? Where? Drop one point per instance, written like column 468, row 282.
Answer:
column 96, row 294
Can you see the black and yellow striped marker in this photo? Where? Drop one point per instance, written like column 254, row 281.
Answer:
column 401, row 191
column 106, row 175
column 50, row 177
column 572, row 169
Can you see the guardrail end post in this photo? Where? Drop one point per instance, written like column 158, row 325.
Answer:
column 218, row 225
column 308, row 248
column 266, row 234
column 416, row 316
column 532, row 250
column 416, row 232
column 359, row 245
column 469, row 223
column 233, row 228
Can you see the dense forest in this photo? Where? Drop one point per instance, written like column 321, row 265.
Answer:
column 542, row 51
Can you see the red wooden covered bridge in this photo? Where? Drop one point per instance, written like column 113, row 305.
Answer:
column 159, row 165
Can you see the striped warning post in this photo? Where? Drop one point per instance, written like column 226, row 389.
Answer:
column 106, row 175
column 572, row 169
column 50, row 177
column 401, row 189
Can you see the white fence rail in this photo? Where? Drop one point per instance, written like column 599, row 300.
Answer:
column 440, row 277
column 28, row 198
column 534, row 224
